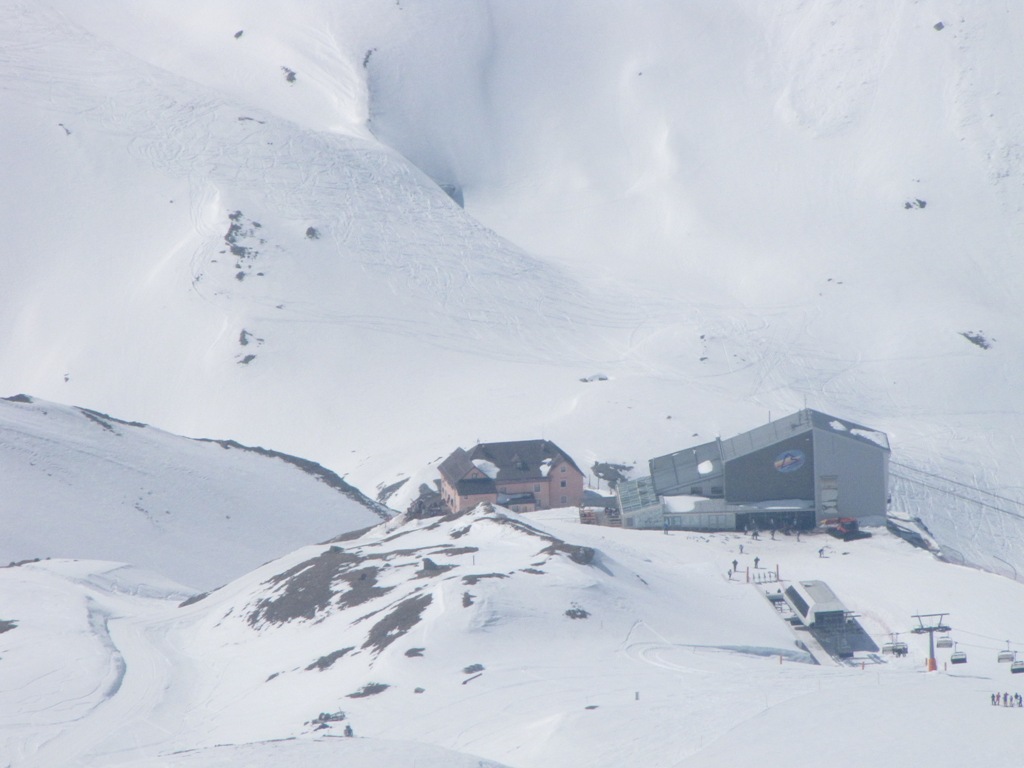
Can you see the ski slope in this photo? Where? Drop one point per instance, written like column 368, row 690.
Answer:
column 674, row 664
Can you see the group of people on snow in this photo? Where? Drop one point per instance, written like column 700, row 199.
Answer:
column 1007, row 700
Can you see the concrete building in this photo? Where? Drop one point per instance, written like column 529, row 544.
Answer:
column 789, row 473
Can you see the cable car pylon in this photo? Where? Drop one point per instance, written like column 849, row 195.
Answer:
column 933, row 624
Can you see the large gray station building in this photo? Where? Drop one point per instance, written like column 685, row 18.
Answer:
column 789, row 473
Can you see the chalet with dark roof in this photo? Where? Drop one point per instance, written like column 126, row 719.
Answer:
column 523, row 475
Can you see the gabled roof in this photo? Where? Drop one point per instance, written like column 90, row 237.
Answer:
column 522, row 459
column 515, row 460
column 456, row 466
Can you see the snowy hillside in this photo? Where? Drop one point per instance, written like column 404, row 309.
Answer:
column 81, row 484
column 228, row 221
column 525, row 640
column 365, row 233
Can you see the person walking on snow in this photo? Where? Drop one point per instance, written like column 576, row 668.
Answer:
column 756, row 561
column 821, row 552
column 735, row 565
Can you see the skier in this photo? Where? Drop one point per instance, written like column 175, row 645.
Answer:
column 348, row 730
column 821, row 552
column 735, row 565
column 756, row 561
column 741, row 549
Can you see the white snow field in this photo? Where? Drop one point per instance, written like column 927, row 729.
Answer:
column 78, row 483
column 227, row 221
column 364, row 233
column 524, row 640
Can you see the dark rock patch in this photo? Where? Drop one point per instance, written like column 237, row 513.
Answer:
column 977, row 338
column 438, row 549
column 370, row 689
column 324, row 662
column 414, row 652
column 386, row 492
column 577, row 612
column 475, row 578
column 6, row 625
column 350, row 536
column 472, row 668
column 106, row 420
column 399, row 621
column 18, row 399
column 289, row 74
column 192, row 600
column 430, row 569
column 467, row 599
column 576, row 553
column 309, row 588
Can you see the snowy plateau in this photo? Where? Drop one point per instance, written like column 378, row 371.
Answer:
column 264, row 265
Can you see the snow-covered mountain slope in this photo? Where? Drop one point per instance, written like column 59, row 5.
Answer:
column 81, row 665
column 81, row 484
column 228, row 222
column 528, row 640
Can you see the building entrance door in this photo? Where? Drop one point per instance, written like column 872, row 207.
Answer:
column 828, row 496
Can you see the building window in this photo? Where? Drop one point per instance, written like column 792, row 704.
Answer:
column 536, row 487
column 562, row 484
column 562, row 468
column 564, row 500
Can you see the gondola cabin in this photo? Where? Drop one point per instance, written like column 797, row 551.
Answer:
column 944, row 641
column 958, row 657
column 1017, row 667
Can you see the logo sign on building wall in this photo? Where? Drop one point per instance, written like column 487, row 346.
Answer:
column 790, row 461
